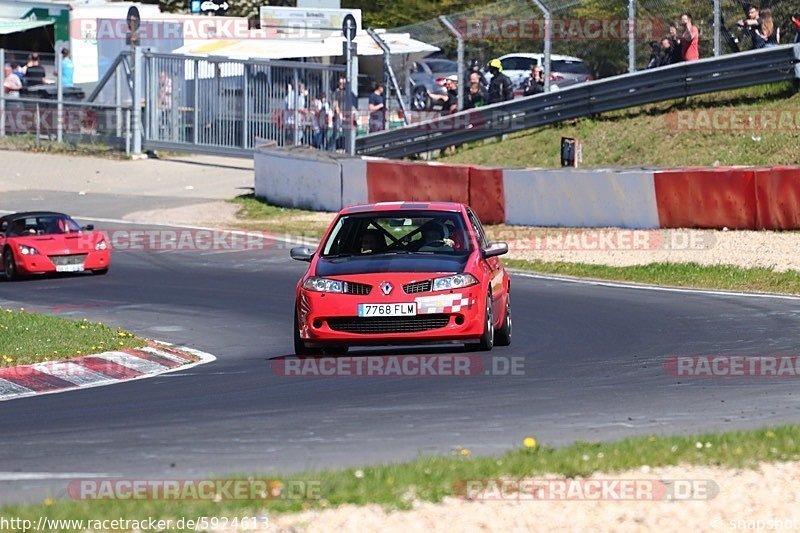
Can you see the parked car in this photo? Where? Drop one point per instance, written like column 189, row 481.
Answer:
column 427, row 82
column 564, row 70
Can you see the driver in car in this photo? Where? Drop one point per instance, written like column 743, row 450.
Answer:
column 435, row 236
column 371, row 242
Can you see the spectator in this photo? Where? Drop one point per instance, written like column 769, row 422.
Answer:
column 11, row 82
column 67, row 69
column 165, row 102
column 451, row 104
column 768, row 32
column 796, row 22
column 750, row 27
column 377, row 109
column 655, row 55
column 475, row 70
column 476, row 96
column 337, row 139
column 534, row 84
column 339, row 100
column 325, row 119
column 294, row 105
column 690, row 39
column 34, row 71
column 675, row 46
column 19, row 72
column 666, row 54
column 500, row 88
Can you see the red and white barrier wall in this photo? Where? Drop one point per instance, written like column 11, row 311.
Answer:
column 732, row 197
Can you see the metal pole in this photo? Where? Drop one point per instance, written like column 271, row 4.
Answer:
column 352, row 92
column 631, row 35
column 59, row 99
column 3, row 97
column 196, row 101
column 118, row 98
column 548, row 42
column 717, row 28
column 295, row 100
column 245, row 107
column 136, row 105
column 460, row 51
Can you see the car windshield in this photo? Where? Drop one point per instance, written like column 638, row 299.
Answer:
column 569, row 67
column 423, row 232
column 442, row 65
column 42, row 225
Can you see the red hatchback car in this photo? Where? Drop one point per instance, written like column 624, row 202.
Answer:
column 39, row 242
column 402, row 273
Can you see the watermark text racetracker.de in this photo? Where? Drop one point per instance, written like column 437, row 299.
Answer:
column 150, row 523
column 573, row 29
column 730, row 119
column 444, row 365
column 187, row 240
column 576, row 489
column 215, row 490
column 733, row 366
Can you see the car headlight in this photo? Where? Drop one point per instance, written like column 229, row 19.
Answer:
column 454, row 282
column 100, row 246
column 27, row 250
column 323, row 285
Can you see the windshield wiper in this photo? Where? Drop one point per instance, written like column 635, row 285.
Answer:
column 336, row 256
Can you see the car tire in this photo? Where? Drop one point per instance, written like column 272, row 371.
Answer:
column 502, row 336
column 420, row 101
column 100, row 271
column 486, row 341
column 9, row 266
column 300, row 347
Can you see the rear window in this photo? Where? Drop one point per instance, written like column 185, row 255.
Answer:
column 518, row 63
column 569, row 67
column 442, row 65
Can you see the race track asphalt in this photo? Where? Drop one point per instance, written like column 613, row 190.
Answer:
column 593, row 369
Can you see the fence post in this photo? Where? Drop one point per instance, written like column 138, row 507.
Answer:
column 59, row 98
column 196, row 103
column 136, row 105
column 3, row 97
column 717, row 28
column 118, row 99
column 295, row 101
column 245, row 105
column 460, row 40
column 631, row 35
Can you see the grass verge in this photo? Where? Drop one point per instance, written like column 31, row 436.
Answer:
column 29, row 143
column 432, row 478
column 256, row 214
column 27, row 338
column 652, row 136
column 722, row 277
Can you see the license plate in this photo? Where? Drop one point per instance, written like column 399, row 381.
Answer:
column 387, row 309
column 69, row 268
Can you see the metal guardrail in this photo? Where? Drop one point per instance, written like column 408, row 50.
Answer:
column 745, row 69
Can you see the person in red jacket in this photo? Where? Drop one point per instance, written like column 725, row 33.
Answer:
column 690, row 39
column 796, row 22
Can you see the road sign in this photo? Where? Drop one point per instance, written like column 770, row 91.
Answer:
column 214, row 6
column 349, row 26
column 134, row 20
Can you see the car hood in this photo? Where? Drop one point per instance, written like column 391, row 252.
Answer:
column 391, row 263
column 75, row 243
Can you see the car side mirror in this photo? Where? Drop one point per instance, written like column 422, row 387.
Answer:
column 301, row 253
column 493, row 249
column 88, row 227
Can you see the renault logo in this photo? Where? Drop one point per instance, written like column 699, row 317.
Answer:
column 386, row 288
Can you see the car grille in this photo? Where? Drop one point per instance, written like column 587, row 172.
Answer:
column 417, row 286
column 61, row 260
column 356, row 288
column 389, row 324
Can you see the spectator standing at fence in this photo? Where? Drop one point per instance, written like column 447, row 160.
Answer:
column 18, row 71
column 675, row 46
column 534, row 84
column 34, row 71
column 67, row 69
column 655, row 55
column 165, row 102
column 500, row 88
column 796, row 23
column 11, row 82
column 336, row 121
column 767, row 31
column 476, row 96
column 750, row 27
column 475, row 69
column 325, row 119
column 690, row 39
column 294, row 105
column 666, row 53
column 451, row 104
column 377, row 109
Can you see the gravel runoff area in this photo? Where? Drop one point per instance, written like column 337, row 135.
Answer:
column 764, row 498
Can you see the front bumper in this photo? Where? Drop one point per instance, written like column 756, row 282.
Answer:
column 326, row 318
column 43, row 264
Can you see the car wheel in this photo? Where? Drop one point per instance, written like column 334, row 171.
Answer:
column 502, row 336
column 420, row 100
column 9, row 266
column 300, row 347
column 100, row 271
column 486, row 342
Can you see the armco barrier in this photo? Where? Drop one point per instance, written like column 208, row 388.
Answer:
column 294, row 179
column 580, row 198
column 393, row 180
column 777, row 198
column 706, row 198
column 486, row 194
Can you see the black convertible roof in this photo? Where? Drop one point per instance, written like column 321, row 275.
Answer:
column 25, row 214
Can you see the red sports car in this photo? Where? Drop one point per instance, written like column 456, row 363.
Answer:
column 39, row 242
column 400, row 273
